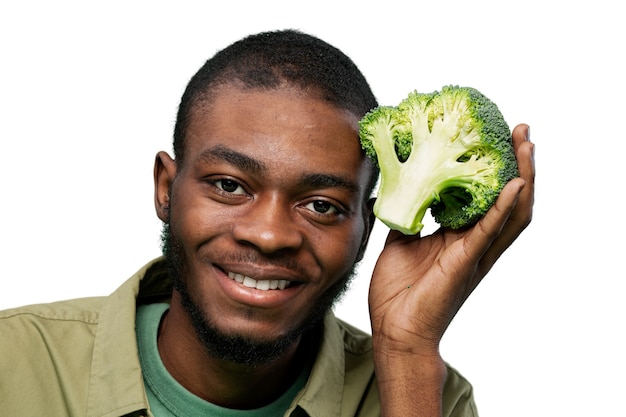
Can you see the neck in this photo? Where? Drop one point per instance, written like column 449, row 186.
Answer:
column 223, row 382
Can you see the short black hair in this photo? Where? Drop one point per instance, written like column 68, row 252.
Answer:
column 268, row 60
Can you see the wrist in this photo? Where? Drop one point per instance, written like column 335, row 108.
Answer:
column 409, row 383
column 406, row 344
column 409, row 366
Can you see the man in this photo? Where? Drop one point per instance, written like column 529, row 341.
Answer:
column 266, row 208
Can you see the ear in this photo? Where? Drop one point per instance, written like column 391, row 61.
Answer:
column 164, row 174
column 369, row 219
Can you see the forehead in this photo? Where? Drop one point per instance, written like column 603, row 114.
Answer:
column 283, row 127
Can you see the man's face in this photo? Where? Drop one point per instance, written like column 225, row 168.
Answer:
column 267, row 211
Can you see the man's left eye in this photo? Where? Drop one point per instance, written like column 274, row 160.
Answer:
column 323, row 207
column 230, row 186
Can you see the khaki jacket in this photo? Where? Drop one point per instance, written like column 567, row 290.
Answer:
column 79, row 358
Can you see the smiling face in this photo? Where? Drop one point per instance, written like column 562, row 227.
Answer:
column 267, row 214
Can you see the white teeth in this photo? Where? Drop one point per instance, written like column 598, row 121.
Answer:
column 262, row 285
column 249, row 282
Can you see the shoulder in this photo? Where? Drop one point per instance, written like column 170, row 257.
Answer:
column 83, row 310
column 46, row 350
column 44, row 328
column 458, row 395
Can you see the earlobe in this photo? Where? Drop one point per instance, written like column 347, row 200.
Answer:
column 164, row 174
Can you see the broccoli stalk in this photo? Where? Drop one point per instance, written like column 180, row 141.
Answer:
column 449, row 151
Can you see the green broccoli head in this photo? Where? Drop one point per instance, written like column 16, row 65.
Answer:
column 449, row 151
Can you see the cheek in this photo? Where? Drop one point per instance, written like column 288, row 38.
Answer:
column 193, row 219
column 338, row 251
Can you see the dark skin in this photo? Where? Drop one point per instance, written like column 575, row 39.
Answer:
column 420, row 283
column 284, row 195
column 262, row 193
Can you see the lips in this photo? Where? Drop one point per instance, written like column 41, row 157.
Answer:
column 263, row 285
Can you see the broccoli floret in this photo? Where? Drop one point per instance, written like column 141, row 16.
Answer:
column 449, row 151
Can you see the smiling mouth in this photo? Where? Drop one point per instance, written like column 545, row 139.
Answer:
column 263, row 285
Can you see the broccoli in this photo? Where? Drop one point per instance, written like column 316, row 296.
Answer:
column 449, row 151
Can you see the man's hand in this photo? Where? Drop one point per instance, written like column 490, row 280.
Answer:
column 419, row 284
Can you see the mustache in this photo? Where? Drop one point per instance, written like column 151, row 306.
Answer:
column 172, row 249
column 257, row 259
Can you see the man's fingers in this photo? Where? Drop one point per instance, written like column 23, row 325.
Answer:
column 490, row 227
column 520, row 214
column 525, row 153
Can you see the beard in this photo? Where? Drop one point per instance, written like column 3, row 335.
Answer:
column 236, row 348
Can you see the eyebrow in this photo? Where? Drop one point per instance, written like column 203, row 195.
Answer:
column 328, row 181
column 240, row 160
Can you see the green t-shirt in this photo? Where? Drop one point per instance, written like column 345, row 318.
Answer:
column 167, row 398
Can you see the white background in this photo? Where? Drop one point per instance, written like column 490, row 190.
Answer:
column 88, row 94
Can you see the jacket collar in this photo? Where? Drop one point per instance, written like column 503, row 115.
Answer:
column 323, row 393
column 116, row 382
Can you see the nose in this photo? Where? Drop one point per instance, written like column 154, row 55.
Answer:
column 269, row 225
